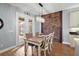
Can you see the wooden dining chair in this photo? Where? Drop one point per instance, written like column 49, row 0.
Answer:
column 45, row 44
column 51, row 41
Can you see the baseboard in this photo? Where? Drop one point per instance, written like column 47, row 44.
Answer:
column 20, row 43
column 9, row 48
column 66, row 43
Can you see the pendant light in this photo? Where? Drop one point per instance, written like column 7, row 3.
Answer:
column 40, row 19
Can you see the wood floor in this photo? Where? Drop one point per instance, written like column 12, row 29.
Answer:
column 57, row 50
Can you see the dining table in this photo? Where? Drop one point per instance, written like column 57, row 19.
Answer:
column 37, row 41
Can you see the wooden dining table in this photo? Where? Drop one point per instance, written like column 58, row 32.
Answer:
column 37, row 41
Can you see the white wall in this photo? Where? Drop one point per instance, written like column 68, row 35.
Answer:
column 37, row 25
column 65, row 26
column 26, row 24
column 8, row 32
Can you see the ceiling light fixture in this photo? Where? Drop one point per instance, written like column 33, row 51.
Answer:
column 40, row 19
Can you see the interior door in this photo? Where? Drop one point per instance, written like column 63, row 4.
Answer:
column 53, row 22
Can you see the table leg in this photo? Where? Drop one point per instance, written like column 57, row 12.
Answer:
column 33, row 50
column 39, row 50
column 25, row 48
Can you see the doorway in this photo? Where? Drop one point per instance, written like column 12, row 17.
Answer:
column 20, row 20
column 20, row 28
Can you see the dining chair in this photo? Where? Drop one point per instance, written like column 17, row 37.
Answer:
column 51, row 40
column 45, row 44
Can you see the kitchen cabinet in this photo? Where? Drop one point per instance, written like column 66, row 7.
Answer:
column 76, row 46
column 74, row 19
column 74, row 33
column 72, row 41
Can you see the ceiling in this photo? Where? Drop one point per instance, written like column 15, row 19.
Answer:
column 35, row 9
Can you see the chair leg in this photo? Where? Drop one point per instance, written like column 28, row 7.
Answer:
column 33, row 50
column 44, row 52
column 48, row 51
column 50, row 47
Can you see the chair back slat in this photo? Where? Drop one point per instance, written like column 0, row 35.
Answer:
column 46, row 40
column 52, row 36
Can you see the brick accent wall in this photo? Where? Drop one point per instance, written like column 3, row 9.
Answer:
column 53, row 23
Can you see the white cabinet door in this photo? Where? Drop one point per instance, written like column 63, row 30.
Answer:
column 72, row 42
column 76, row 46
column 74, row 19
